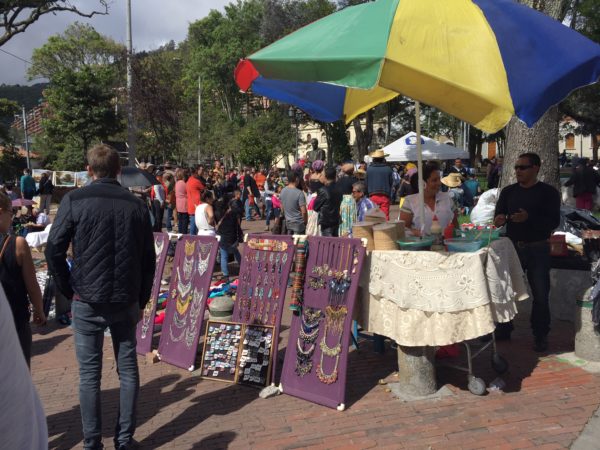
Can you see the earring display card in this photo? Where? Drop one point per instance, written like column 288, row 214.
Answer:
column 316, row 356
column 145, row 327
column 237, row 353
column 221, row 351
column 255, row 359
column 186, row 303
column 264, row 274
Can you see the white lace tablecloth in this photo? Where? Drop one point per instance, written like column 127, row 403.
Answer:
column 438, row 298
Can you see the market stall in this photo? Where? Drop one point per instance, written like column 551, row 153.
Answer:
column 426, row 299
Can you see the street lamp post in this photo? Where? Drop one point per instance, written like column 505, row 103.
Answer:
column 26, row 137
column 131, row 137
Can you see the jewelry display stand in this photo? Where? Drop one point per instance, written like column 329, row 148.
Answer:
column 316, row 356
column 190, row 282
column 145, row 327
column 263, row 279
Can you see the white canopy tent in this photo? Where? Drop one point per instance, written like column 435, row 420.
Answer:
column 405, row 149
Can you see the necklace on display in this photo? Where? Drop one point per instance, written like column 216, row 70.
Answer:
column 195, row 307
column 188, row 260
column 334, row 325
column 203, row 261
column 307, row 336
column 159, row 244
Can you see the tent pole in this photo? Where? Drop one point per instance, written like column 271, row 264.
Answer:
column 420, row 166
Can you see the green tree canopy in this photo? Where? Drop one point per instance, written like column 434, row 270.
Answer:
column 8, row 109
column 265, row 137
column 78, row 47
column 80, row 112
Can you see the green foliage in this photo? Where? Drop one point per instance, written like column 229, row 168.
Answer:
column 11, row 163
column 157, row 97
column 81, row 113
column 582, row 104
column 337, row 141
column 214, row 46
column 8, row 109
column 28, row 96
column 282, row 17
column 219, row 136
column 80, row 46
column 264, row 137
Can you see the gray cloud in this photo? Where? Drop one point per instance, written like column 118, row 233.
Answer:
column 154, row 22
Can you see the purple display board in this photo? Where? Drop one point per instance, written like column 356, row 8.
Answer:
column 190, row 282
column 264, row 274
column 316, row 357
column 145, row 327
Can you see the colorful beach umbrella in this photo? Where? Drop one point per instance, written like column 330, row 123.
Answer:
column 482, row 61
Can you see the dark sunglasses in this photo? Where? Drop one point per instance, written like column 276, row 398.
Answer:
column 523, row 167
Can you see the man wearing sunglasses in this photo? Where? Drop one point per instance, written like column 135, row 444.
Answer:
column 530, row 209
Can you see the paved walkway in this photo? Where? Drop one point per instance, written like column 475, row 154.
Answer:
column 546, row 403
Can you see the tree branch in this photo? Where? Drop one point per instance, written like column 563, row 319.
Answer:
column 11, row 10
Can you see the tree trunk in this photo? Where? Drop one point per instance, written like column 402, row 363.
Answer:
column 363, row 137
column 543, row 137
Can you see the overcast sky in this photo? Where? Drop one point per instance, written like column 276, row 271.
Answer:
column 154, row 22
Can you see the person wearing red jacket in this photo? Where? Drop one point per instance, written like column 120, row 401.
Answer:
column 194, row 187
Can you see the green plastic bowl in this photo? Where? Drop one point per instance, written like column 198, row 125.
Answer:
column 415, row 243
column 484, row 235
column 463, row 245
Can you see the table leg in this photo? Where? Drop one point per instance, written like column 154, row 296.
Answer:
column 416, row 370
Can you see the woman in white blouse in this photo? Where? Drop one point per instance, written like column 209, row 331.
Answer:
column 205, row 217
column 437, row 204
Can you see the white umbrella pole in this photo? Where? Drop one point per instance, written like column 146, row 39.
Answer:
column 420, row 167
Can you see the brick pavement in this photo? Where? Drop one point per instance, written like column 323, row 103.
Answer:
column 545, row 404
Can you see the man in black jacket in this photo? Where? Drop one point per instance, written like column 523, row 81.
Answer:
column 110, row 283
column 530, row 209
column 327, row 204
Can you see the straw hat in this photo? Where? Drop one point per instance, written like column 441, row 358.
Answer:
column 364, row 230
column 375, row 215
column 379, row 154
column 385, row 236
column 452, row 180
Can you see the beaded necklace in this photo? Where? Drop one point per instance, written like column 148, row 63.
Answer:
column 305, row 344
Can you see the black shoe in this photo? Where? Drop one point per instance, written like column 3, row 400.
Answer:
column 131, row 445
column 540, row 344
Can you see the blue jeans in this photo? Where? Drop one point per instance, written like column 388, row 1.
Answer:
column 89, row 322
column 535, row 261
column 248, row 209
column 193, row 227
column 225, row 252
column 169, row 224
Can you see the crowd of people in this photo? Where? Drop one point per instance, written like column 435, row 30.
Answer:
column 309, row 198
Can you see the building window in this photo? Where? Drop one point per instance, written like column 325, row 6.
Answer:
column 570, row 141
